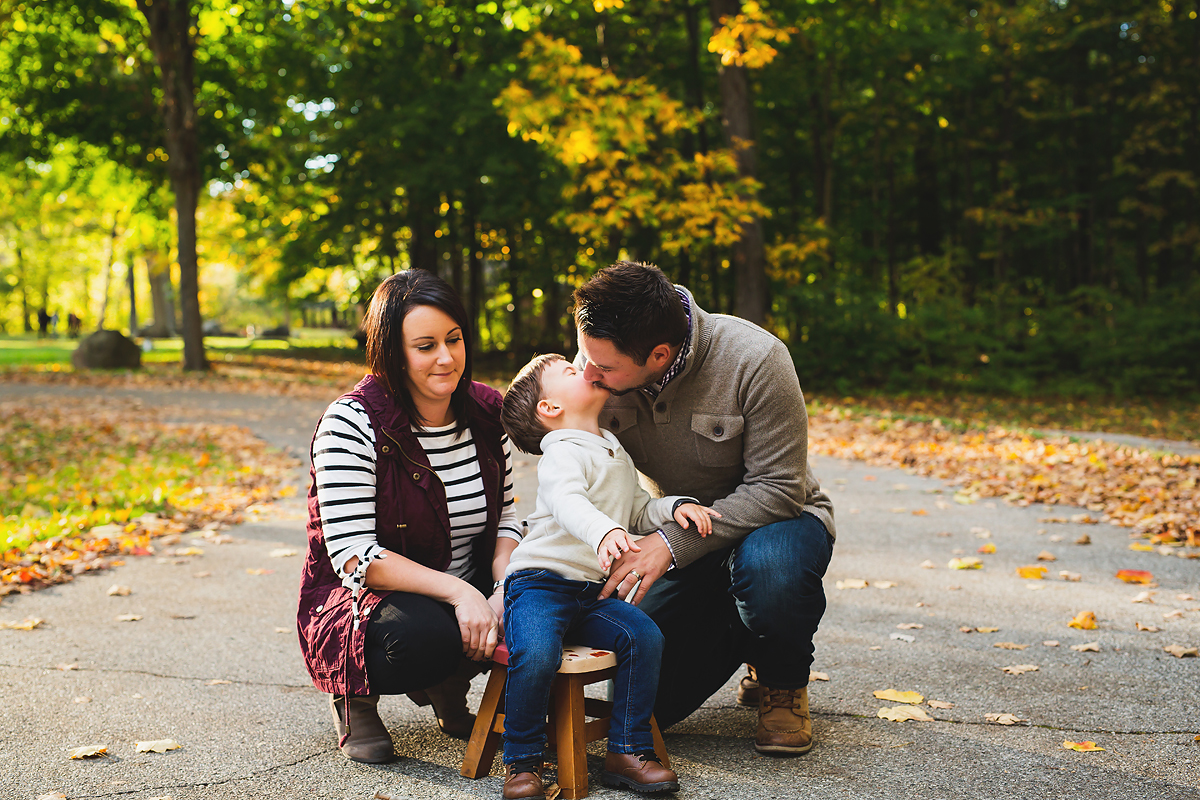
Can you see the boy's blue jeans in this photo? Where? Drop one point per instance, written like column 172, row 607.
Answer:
column 541, row 609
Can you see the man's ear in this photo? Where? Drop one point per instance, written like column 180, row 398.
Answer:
column 660, row 355
column 548, row 408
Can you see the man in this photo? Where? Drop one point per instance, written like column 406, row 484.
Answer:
column 709, row 406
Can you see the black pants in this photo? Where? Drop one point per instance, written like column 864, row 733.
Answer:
column 413, row 642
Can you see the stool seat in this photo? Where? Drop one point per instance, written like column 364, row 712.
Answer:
column 568, row 731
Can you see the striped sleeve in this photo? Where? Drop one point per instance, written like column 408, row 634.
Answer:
column 344, row 462
column 510, row 526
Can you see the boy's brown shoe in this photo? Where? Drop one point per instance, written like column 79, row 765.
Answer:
column 641, row 772
column 748, row 689
column 784, row 726
column 523, row 782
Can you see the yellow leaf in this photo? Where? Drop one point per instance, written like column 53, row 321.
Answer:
column 965, row 563
column 852, row 583
column 89, row 751
column 895, row 696
column 988, row 548
column 1141, row 547
column 28, row 625
column 904, row 713
column 189, row 551
column 885, row 584
column 1083, row 747
column 260, row 571
column 1084, row 621
column 156, row 746
column 1032, row 572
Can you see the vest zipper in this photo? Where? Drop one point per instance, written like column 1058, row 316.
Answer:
column 433, row 472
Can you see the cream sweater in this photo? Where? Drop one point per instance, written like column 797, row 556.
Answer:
column 587, row 485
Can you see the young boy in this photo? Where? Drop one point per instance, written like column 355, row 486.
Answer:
column 588, row 502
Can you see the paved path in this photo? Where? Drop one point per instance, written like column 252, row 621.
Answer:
column 214, row 664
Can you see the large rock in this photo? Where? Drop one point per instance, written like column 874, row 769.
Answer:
column 107, row 350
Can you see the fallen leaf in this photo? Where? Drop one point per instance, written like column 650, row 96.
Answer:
column 920, row 512
column 927, row 564
column 118, row 591
column 885, row 584
column 28, row 625
column 965, row 563
column 1052, row 519
column 283, row 552
column 284, row 630
column 1147, row 628
column 903, row 637
column 1141, row 547
column 1084, row 621
column 67, row 667
column 817, row 676
column 553, row 791
column 1184, row 597
column 899, row 510
column 989, row 548
column 1089, row 647
column 1084, row 539
column 1010, row 646
column 852, row 583
column 1004, row 719
column 202, row 575
column 1143, row 597
column 156, row 746
column 1135, row 576
column 1032, row 572
column 189, row 551
column 1046, row 555
column 1050, row 643
column 1084, row 519
column 1083, row 747
column 216, row 682
column 982, row 533
column 83, row 699
column 875, row 647
column 910, row 626
column 260, row 571
column 903, row 713
column 88, row 751
column 1179, row 651
column 940, row 704
column 52, row 796
column 128, row 617
column 988, row 630
column 954, row 587
column 1066, row 575
column 1177, row 613
column 896, row 696
column 1020, row 669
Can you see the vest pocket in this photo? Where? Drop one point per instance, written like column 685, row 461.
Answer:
column 718, row 439
column 623, row 422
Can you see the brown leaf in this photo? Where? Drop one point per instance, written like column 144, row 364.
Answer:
column 1020, row 669
column 1147, row 628
column 128, row 617
column 118, row 591
column 1066, row 575
column 1179, row 651
column 910, row 626
column 1143, row 597
column 1010, row 646
column 1084, row 539
column 1090, row 647
column 1176, row 614
column 52, row 796
column 1050, row 643
column 927, row 564
column 66, row 667
column 817, row 676
column 1046, row 555
column 1004, row 719
column 987, row 630
column 852, row 583
column 940, row 704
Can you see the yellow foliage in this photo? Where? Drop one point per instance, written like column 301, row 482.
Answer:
column 744, row 40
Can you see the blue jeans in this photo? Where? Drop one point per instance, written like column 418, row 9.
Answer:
column 541, row 609
column 758, row 602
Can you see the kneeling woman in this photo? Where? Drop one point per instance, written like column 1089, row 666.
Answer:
column 410, row 522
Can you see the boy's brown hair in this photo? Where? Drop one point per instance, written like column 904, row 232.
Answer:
column 519, row 412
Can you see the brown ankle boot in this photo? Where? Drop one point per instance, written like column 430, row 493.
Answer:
column 368, row 739
column 784, row 726
column 449, row 701
column 748, row 690
column 641, row 772
column 523, row 782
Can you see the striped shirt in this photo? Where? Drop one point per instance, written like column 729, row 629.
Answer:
column 344, row 460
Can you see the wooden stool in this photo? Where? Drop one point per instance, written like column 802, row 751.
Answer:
column 568, row 731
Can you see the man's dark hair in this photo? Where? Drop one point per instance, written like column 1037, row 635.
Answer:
column 633, row 306
column 383, row 326
column 519, row 412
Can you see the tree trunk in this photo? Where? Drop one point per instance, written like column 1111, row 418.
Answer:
column 133, row 320
column 170, row 23
column 749, row 265
column 158, row 271
column 108, row 266
column 25, row 323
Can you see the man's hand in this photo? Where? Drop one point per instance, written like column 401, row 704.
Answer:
column 614, row 544
column 648, row 565
column 701, row 515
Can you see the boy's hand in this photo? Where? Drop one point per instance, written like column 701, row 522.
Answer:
column 697, row 514
column 614, row 543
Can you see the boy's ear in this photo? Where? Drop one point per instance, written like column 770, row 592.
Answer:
column 548, row 408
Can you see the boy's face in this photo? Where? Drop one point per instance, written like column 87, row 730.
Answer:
column 564, row 386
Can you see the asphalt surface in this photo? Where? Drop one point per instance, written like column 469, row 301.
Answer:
column 214, row 664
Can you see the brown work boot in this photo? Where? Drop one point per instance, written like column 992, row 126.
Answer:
column 523, row 781
column 449, row 701
column 784, row 727
column 748, row 689
column 368, row 740
column 641, row 772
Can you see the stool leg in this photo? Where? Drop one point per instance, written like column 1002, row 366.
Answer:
column 660, row 747
column 481, row 748
column 571, row 741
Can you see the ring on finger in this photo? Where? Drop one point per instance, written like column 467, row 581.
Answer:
column 637, row 576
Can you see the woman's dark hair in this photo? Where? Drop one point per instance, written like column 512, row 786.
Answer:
column 632, row 305
column 384, row 329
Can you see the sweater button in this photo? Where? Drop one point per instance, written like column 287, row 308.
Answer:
column 614, row 424
column 660, row 407
column 717, row 431
column 610, row 453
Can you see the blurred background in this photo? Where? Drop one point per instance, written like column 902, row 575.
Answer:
column 915, row 195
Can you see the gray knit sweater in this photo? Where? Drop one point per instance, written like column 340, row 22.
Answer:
column 730, row 430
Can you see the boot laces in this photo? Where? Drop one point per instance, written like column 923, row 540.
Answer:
column 781, row 698
column 648, row 755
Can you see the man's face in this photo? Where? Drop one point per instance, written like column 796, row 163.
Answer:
column 611, row 369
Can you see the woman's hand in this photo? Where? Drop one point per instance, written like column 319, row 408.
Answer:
column 477, row 622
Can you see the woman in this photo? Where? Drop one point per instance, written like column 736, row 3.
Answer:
column 410, row 522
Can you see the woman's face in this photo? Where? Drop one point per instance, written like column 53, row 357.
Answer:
column 435, row 354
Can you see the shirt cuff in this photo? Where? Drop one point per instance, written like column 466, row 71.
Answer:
column 670, row 550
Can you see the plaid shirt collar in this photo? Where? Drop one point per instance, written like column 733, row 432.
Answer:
column 655, row 389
